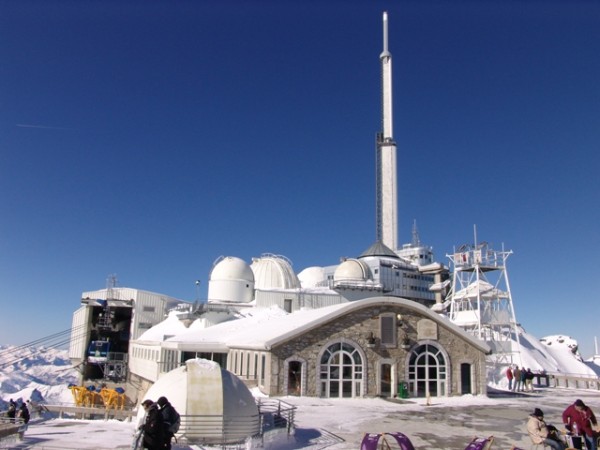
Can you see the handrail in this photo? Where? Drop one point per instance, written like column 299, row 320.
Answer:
column 575, row 381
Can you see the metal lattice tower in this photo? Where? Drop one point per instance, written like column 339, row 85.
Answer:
column 481, row 301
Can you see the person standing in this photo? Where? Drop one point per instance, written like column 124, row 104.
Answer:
column 12, row 410
column 153, row 426
column 509, row 376
column 580, row 420
column 24, row 413
column 538, row 431
column 523, row 379
column 517, row 377
column 170, row 418
column 529, row 380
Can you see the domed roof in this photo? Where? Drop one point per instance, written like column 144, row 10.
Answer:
column 202, row 388
column 312, row 277
column 274, row 272
column 232, row 268
column 379, row 249
column 352, row 270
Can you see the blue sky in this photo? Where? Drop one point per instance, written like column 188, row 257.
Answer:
column 147, row 138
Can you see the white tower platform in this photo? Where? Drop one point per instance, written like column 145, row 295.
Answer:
column 481, row 301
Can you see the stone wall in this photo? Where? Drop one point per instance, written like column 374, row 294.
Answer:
column 356, row 327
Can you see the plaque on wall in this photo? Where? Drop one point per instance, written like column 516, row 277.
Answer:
column 427, row 329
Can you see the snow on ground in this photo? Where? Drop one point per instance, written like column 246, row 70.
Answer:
column 447, row 423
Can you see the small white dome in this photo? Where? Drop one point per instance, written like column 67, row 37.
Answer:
column 312, row 277
column 232, row 268
column 274, row 272
column 231, row 280
column 352, row 270
column 202, row 388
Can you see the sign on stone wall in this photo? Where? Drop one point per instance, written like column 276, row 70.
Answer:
column 427, row 329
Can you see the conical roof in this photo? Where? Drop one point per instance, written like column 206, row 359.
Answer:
column 379, row 249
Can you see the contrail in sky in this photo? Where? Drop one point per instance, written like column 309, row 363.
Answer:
column 43, row 127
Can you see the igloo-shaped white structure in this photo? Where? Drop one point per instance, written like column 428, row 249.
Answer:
column 216, row 407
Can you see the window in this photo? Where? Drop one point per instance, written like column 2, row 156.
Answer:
column 287, row 305
column 263, row 361
column 149, row 309
column 341, row 371
column 387, row 324
column 427, row 371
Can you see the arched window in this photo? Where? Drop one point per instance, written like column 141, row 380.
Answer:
column 341, row 371
column 427, row 371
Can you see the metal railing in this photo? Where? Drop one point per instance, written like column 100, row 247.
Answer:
column 573, row 381
column 233, row 431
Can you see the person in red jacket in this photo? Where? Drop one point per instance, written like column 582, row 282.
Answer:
column 509, row 376
column 580, row 420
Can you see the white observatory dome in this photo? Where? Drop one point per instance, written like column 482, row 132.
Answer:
column 274, row 272
column 202, row 389
column 231, row 280
column 352, row 270
column 313, row 277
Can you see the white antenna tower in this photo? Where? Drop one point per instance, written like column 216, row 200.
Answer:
column 481, row 301
column 111, row 282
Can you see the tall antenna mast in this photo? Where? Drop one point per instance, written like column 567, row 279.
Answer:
column 387, row 195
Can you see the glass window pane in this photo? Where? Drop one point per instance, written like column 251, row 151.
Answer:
column 347, row 373
column 334, row 389
column 347, row 388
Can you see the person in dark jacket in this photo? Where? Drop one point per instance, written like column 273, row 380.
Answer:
column 12, row 410
column 24, row 413
column 153, row 426
column 168, row 414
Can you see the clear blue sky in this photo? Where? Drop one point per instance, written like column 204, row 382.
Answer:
column 147, row 138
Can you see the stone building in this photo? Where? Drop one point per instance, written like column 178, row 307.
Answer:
column 382, row 346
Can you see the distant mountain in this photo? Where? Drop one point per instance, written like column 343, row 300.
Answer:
column 35, row 373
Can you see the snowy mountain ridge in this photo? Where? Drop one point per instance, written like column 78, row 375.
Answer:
column 35, row 373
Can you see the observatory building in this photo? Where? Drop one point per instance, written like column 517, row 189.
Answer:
column 367, row 326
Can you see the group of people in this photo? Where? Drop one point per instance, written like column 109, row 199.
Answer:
column 578, row 420
column 160, row 424
column 519, row 379
column 21, row 412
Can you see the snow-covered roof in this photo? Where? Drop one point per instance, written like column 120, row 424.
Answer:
column 171, row 326
column 273, row 326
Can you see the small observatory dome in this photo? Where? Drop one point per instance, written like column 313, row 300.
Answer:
column 215, row 405
column 231, row 280
column 353, row 271
column 313, row 277
column 274, row 272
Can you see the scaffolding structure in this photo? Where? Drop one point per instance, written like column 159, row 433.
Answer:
column 481, row 302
